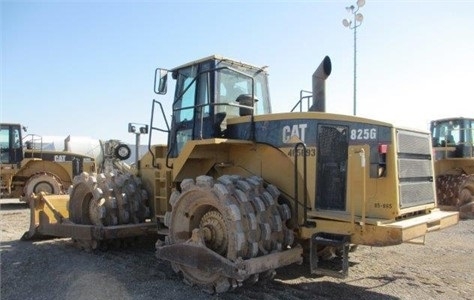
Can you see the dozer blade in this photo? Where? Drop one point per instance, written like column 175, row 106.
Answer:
column 46, row 210
column 50, row 219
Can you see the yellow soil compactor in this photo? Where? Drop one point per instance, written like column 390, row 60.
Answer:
column 239, row 191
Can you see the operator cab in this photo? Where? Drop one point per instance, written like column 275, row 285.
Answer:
column 210, row 91
column 455, row 136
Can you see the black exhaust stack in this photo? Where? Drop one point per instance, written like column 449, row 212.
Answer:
column 319, row 85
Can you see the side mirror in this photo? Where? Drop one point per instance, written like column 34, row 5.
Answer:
column 161, row 80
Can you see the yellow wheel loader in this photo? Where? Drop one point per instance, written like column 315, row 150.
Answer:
column 239, row 191
column 453, row 148
column 27, row 169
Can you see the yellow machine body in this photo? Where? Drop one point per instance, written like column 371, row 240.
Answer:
column 372, row 213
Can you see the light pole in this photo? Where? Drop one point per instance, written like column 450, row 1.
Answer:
column 356, row 21
column 137, row 129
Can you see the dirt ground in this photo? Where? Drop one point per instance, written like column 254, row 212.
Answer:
column 443, row 268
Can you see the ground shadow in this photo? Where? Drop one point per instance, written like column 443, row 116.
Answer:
column 13, row 206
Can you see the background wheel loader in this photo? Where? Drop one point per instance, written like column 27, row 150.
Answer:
column 26, row 168
column 453, row 149
column 239, row 191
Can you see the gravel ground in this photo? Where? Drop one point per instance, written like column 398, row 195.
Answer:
column 55, row 269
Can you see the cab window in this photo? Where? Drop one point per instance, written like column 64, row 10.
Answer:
column 186, row 94
column 5, row 145
column 232, row 84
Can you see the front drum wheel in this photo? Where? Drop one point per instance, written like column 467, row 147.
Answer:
column 233, row 220
column 107, row 200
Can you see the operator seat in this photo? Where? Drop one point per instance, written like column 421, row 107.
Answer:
column 245, row 99
column 450, row 140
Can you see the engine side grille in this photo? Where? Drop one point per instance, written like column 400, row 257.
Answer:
column 413, row 143
column 415, row 169
column 416, row 193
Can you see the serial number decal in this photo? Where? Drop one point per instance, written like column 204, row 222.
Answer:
column 383, row 205
column 299, row 152
column 364, row 134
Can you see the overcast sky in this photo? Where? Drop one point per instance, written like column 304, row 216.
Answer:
column 85, row 68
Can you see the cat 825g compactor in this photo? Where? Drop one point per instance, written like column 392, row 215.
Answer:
column 239, row 191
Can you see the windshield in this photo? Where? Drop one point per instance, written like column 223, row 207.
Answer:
column 445, row 133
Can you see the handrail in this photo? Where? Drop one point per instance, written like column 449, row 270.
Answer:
column 200, row 107
column 305, row 183
column 201, row 122
column 30, row 141
column 156, row 128
column 361, row 153
column 448, row 144
column 300, row 102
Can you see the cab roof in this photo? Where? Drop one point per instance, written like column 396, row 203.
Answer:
column 216, row 57
column 452, row 119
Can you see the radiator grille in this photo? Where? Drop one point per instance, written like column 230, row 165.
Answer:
column 413, row 143
column 415, row 169
column 416, row 193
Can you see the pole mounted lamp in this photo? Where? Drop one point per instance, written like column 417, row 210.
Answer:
column 352, row 24
column 137, row 129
